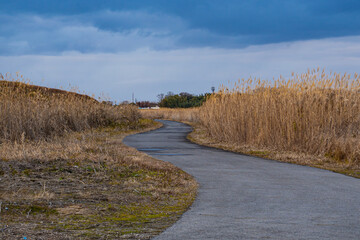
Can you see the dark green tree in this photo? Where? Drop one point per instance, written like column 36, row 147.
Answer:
column 183, row 100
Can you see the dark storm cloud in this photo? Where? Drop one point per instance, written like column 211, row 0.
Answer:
column 51, row 27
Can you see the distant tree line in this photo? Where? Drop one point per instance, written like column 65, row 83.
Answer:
column 146, row 104
column 182, row 100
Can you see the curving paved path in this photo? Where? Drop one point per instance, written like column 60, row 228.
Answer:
column 242, row 197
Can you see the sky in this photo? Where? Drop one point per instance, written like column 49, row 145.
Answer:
column 113, row 48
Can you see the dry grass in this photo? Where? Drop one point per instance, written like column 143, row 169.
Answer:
column 178, row 114
column 310, row 113
column 31, row 112
column 88, row 186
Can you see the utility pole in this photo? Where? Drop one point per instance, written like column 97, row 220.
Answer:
column 133, row 98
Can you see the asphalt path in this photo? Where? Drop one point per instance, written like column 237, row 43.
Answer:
column 243, row 197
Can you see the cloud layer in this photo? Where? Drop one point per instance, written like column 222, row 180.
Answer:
column 147, row 72
column 32, row 34
column 48, row 27
column 149, row 47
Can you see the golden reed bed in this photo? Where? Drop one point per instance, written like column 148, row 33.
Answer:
column 313, row 113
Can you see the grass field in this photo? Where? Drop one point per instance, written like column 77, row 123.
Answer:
column 190, row 115
column 65, row 173
column 311, row 119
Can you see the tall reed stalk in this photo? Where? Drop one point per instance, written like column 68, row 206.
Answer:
column 315, row 112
